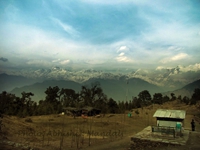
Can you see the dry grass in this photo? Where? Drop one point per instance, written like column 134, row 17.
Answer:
column 46, row 132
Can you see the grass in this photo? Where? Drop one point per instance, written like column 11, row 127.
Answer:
column 54, row 132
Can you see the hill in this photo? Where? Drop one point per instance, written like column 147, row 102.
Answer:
column 8, row 82
column 39, row 88
column 187, row 90
column 118, row 89
column 122, row 89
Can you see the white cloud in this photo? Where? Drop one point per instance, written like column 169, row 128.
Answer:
column 121, row 54
column 195, row 67
column 175, row 48
column 56, row 60
column 177, row 57
column 41, row 63
column 122, row 58
column 69, row 29
column 123, row 48
column 64, row 62
column 160, row 68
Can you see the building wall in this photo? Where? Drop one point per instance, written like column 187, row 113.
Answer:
column 169, row 122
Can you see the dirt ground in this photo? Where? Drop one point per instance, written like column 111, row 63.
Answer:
column 110, row 132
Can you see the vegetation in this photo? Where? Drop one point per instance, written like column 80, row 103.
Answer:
column 91, row 95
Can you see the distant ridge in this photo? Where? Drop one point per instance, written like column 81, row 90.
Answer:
column 121, row 89
column 39, row 88
column 187, row 90
column 8, row 82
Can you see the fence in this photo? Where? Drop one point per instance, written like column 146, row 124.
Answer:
column 163, row 129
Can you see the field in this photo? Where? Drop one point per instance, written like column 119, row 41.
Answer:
column 60, row 132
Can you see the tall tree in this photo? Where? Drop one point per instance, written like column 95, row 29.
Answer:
column 112, row 106
column 166, row 98
column 173, row 97
column 195, row 96
column 157, row 98
column 186, row 100
column 145, row 97
column 53, row 105
column 91, row 94
column 69, row 97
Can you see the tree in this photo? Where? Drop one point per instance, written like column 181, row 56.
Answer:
column 112, row 106
column 136, row 103
column 69, row 97
column 186, row 100
column 92, row 94
column 145, row 97
column 166, row 99
column 26, row 104
column 121, row 106
column 173, row 97
column 157, row 98
column 52, row 103
column 195, row 96
column 52, row 94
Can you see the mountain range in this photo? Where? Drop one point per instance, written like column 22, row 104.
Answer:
column 168, row 78
column 118, row 89
column 118, row 84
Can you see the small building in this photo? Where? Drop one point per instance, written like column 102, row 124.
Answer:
column 86, row 111
column 72, row 111
column 90, row 111
column 170, row 118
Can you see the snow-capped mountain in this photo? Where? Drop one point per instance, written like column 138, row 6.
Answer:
column 169, row 78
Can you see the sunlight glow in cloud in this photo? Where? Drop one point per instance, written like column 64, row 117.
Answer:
column 99, row 33
column 177, row 57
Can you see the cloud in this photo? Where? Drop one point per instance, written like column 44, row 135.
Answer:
column 41, row 63
column 175, row 48
column 3, row 59
column 121, row 54
column 123, row 48
column 67, row 28
column 122, row 58
column 64, row 62
column 56, row 60
column 193, row 67
column 177, row 57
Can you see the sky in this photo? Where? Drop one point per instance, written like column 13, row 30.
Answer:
column 102, row 34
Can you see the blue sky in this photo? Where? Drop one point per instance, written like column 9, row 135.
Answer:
column 99, row 33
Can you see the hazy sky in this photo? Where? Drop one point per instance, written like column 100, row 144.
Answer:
column 99, row 33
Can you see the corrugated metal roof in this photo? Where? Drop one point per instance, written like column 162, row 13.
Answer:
column 167, row 113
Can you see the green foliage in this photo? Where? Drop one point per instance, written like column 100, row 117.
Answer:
column 145, row 97
column 157, row 98
column 173, row 97
column 112, row 106
column 185, row 100
column 166, row 99
column 195, row 97
column 91, row 95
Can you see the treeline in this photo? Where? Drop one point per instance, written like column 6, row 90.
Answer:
column 56, row 99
